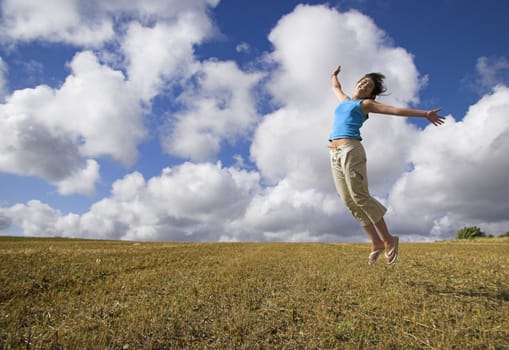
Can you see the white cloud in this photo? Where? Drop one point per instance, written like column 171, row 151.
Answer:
column 163, row 53
column 289, row 146
column 82, row 181
column 219, row 107
column 37, row 219
column 286, row 213
column 188, row 202
column 313, row 40
column 86, row 23
column 31, row 148
column 100, row 99
column 51, row 132
column 455, row 181
column 58, row 133
column 243, row 47
column 54, row 21
column 460, row 170
column 149, row 11
column 293, row 141
column 308, row 44
column 492, row 71
column 433, row 181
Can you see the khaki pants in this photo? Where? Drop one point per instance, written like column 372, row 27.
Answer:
column 348, row 163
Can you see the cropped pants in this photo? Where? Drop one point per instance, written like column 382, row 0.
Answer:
column 348, row 163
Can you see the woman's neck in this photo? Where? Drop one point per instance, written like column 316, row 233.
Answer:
column 358, row 96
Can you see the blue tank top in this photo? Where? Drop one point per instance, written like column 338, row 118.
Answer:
column 348, row 119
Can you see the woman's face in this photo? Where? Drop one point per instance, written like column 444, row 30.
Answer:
column 365, row 87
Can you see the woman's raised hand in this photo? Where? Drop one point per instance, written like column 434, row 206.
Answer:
column 336, row 72
column 434, row 118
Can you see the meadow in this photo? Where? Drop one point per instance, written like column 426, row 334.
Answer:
column 80, row 294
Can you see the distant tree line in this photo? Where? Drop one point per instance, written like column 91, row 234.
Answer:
column 472, row 232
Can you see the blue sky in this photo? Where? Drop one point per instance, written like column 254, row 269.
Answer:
column 207, row 120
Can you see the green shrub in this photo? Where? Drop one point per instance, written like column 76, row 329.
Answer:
column 505, row 234
column 470, row 233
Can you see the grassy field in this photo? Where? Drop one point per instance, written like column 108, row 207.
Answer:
column 76, row 294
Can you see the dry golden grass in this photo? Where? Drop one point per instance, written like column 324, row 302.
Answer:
column 74, row 294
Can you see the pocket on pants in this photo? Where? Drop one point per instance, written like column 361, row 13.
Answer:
column 355, row 175
column 358, row 178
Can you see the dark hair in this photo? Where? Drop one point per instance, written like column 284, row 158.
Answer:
column 378, row 79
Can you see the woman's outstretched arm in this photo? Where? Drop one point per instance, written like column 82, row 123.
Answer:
column 370, row 106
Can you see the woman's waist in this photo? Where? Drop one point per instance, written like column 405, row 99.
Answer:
column 340, row 142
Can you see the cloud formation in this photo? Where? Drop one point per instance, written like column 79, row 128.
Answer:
column 433, row 180
column 58, row 133
column 459, row 171
column 491, row 72
column 193, row 202
column 91, row 23
column 219, row 106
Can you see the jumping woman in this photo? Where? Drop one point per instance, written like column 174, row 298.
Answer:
column 348, row 158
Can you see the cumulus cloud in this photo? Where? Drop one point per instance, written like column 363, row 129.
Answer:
column 285, row 213
column 90, row 23
column 54, row 21
column 82, row 181
column 188, row 202
column 459, row 173
column 435, row 177
column 59, row 133
column 492, row 71
column 302, row 84
column 163, row 53
column 30, row 148
column 218, row 107
column 433, row 181
column 331, row 38
column 38, row 219
column 289, row 146
column 51, row 132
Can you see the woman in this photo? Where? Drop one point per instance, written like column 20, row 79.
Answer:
column 348, row 159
